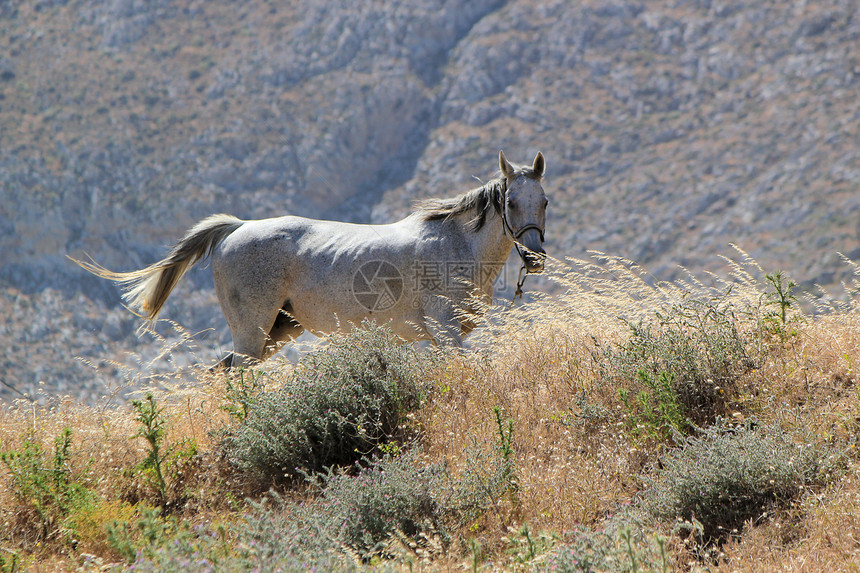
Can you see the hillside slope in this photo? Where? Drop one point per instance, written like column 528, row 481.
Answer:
column 671, row 129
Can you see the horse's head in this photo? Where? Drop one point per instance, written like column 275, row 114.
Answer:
column 525, row 209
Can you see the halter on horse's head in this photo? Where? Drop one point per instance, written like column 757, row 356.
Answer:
column 524, row 210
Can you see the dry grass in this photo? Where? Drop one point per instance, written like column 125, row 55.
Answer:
column 540, row 365
column 821, row 534
column 576, row 468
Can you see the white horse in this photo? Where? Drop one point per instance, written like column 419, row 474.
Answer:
column 423, row 275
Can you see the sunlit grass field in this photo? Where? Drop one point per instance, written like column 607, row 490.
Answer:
column 618, row 424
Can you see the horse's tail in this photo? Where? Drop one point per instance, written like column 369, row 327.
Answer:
column 147, row 290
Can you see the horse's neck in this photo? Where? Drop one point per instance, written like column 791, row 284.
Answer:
column 491, row 244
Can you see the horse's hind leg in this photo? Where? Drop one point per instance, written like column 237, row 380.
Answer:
column 249, row 344
column 285, row 328
column 250, row 325
column 225, row 363
column 258, row 335
column 443, row 324
column 252, row 301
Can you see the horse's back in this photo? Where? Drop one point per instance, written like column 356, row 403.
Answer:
column 310, row 236
column 321, row 269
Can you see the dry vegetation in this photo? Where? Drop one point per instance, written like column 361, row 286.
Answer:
column 546, row 400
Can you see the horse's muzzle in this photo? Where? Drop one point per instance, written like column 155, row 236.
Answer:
column 534, row 260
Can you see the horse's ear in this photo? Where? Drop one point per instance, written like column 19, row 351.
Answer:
column 539, row 165
column 507, row 169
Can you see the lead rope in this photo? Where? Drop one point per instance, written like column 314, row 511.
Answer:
column 521, row 279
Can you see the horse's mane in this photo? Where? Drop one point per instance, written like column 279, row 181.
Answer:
column 491, row 195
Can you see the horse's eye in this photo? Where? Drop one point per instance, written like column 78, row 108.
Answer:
column 511, row 203
column 545, row 202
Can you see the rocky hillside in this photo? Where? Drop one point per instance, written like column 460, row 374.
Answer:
column 671, row 129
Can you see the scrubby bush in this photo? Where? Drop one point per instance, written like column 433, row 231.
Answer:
column 697, row 348
column 621, row 545
column 390, row 495
column 270, row 538
column 726, row 475
column 359, row 514
column 362, row 509
column 290, row 537
column 488, row 475
column 340, row 402
column 403, row 495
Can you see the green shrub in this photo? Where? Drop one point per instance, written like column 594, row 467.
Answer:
column 146, row 535
column 697, row 346
column 43, row 483
column 152, row 430
column 163, row 465
column 656, row 412
column 781, row 295
column 776, row 322
column 727, row 475
column 623, row 544
column 340, row 403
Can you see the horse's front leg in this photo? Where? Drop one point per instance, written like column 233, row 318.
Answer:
column 442, row 322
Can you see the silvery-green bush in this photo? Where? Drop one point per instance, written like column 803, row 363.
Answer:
column 340, row 403
column 387, row 495
column 356, row 516
column 726, row 475
column 621, row 545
